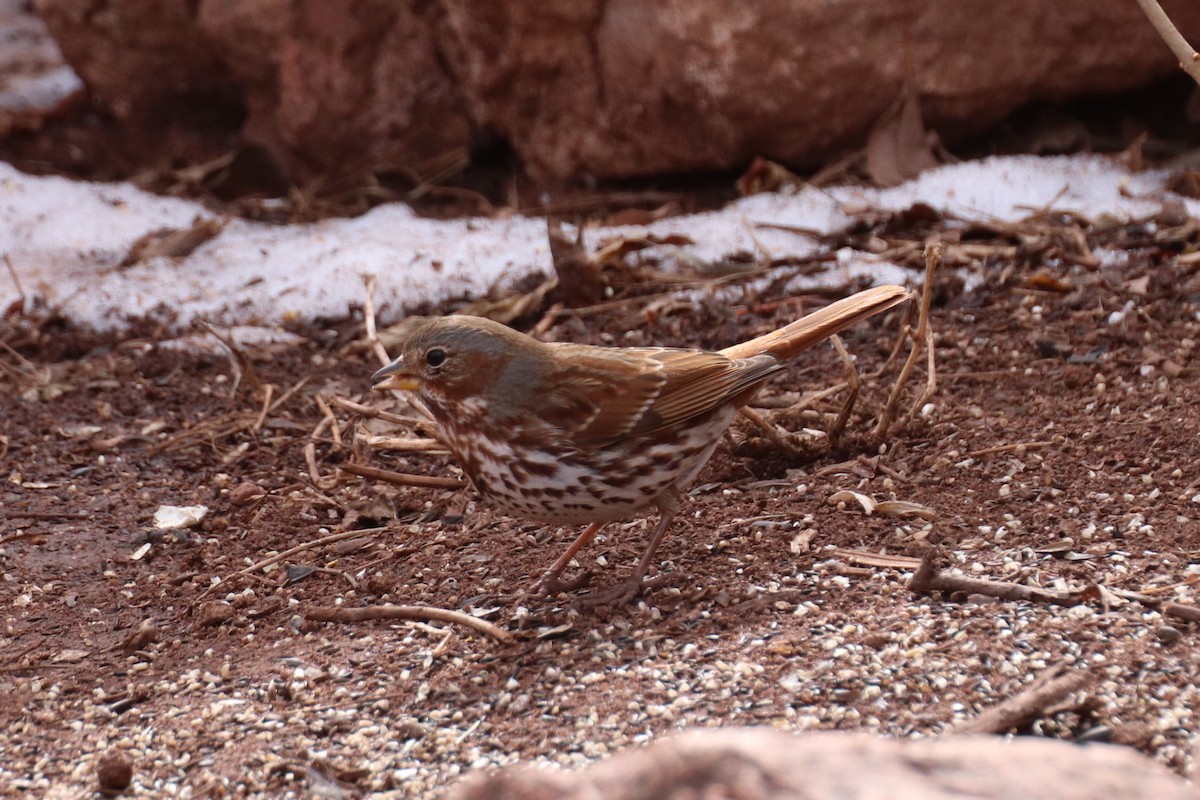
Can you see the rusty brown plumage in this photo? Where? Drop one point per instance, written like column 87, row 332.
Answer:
column 571, row 433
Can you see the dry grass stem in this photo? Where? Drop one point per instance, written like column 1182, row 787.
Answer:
column 369, row 322
column 852, row 380
column 372, row 412
column 275, row 559
column 922, row 337
column 242, row 368
column 1008, row 448
column 334, row 428
column 772, row 433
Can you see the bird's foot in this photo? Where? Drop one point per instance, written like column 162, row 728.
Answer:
column 629, row 590
column 550, row 584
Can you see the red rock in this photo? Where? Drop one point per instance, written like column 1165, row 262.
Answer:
column 616, row 88
column 761, row 764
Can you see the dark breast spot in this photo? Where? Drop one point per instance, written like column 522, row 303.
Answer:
column 540, row 469
column 619, row 481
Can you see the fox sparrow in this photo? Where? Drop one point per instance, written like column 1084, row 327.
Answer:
column 570, row 433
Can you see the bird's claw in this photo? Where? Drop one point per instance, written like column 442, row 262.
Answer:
column 549, row 585
column 628, row 590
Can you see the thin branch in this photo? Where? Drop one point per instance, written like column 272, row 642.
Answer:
column 1048, row 690
column 402, row 478
column 928, row 579
column 1189, row 59
column 418, row 613
column 334, row 429
column 1181, row 611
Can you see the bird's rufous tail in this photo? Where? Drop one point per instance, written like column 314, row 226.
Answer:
column 789, row 340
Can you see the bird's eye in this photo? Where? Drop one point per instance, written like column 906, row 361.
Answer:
column 435, row 357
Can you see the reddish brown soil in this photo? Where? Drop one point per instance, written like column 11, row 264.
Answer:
column 770, row 624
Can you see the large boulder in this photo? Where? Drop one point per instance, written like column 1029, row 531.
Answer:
column 760, row 764
column 608, row 88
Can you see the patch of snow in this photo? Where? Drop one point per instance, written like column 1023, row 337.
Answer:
column 66, row 240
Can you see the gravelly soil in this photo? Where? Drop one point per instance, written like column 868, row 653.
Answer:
column 229, row 691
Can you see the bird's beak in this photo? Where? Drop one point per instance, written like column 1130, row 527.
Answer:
column 395, row 375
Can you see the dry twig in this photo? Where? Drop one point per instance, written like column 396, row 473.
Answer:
column 16, row 281
column 334, row 429
column 405, row 444
column 371, row 411
column 928, row 579
column 882, row 560
column 1181, row 611
column 1189, row 59
column 1048, row 690
column 403, row 478
column 418, row 613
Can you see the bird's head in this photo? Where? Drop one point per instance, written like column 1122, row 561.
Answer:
column 451, row 359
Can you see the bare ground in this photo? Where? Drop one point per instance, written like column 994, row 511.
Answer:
column 1059, row 452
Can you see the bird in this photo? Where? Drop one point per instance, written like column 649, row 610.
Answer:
column 581, row 434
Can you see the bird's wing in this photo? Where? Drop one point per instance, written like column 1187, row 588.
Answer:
column 601, row 395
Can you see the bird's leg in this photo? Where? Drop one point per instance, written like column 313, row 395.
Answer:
column 628, row 589
column 549, row 583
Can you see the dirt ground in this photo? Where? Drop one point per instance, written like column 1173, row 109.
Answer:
column 1059, row 451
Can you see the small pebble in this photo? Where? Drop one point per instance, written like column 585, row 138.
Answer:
column 1168, row 634
column 114, row 773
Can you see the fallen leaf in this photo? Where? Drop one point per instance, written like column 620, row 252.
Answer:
column 1045, row 282
column 580, row 279
column 179, row 516
column 898, row 147
column 613, row 250
column 173, row 242
column 767, row 176
column 845, row 496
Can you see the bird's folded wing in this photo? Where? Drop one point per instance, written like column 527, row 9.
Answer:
column 601, row 395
